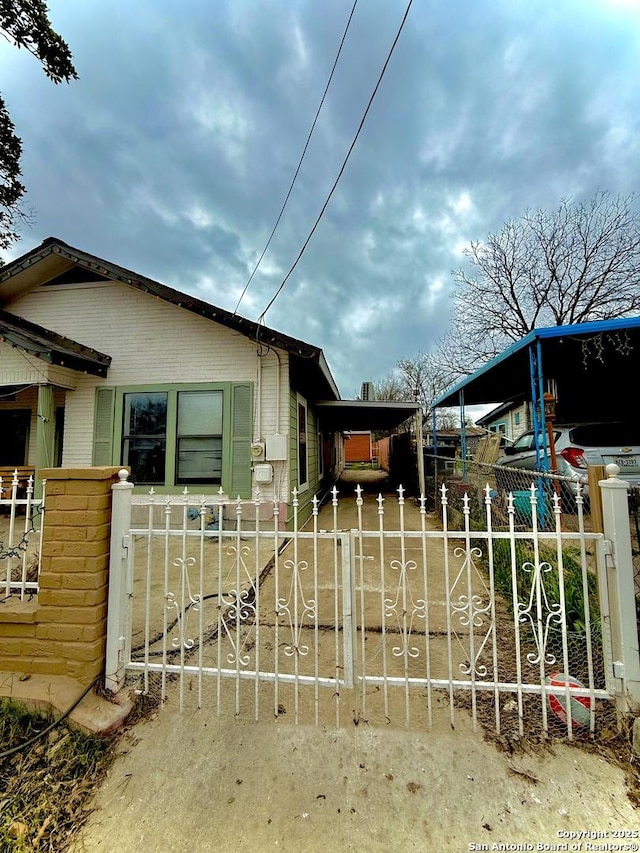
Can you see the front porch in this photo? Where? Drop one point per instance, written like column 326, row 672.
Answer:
column 37, row 370
column 31, row 426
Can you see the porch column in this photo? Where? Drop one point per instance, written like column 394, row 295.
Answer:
column 45, row 433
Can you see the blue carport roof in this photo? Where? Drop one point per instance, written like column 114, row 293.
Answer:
column 595, row 366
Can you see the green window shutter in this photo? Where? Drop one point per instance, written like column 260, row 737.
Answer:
column 241, row 434
column 103, row 427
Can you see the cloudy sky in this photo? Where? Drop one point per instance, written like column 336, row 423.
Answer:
column 173, row 152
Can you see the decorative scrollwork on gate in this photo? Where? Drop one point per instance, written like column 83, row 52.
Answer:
column 296, row 608
column 404, row 608
column 538, row 613
column 183, row 607
column 472, row 610
column 240, row 608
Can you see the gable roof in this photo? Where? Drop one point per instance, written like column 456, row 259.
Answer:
column 52, row 258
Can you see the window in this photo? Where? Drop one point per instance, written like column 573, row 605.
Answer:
column 198, row 436
column 516, row 418
column 321, row 451
column 303, row 460
column 177, row 435
column 199, row 456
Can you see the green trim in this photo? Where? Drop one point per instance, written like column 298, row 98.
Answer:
column 240, row 436
column 103, row 427
column 313, row 483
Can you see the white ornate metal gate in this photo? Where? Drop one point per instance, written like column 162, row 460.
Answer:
column 373, row 610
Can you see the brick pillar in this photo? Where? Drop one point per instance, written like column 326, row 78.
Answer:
column 71, row 618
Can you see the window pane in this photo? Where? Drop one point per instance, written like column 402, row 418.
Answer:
column 200, row 413
column 146, row 456
column 14, row 430
column 200, row 460
column 302, row 444
column 145, row 414
column 144, row 432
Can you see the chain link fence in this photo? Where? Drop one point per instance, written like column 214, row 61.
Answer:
column 530, row 491
column 473, row 478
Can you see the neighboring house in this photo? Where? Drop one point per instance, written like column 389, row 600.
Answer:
column 448, row 441
column 509, row 419
column 102, row 366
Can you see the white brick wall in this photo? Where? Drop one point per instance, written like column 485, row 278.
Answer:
column 150, row 341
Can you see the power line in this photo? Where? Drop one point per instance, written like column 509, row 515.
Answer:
column 302, row 156
column 344, row 164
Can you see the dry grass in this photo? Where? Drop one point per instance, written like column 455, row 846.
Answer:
column 46, row 785
column 49, row 772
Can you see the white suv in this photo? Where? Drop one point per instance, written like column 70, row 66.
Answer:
column 581, row 445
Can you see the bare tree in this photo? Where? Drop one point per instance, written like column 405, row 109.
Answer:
column 421, row 378
column 580, row 262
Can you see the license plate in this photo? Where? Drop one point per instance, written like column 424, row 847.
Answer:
column 626, row 461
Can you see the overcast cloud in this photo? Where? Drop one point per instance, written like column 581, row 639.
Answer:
column 172, row 153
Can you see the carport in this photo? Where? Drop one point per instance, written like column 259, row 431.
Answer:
column 589, row 369
column 376, row 415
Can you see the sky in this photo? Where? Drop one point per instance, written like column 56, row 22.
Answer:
column 174, row 151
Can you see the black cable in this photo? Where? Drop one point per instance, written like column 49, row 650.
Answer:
column 304, row 151
column 7, row 752
column 155, row 639
column 247, row 599
column 343, row 167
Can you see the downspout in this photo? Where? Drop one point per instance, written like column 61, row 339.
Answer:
column 278, row 379
column 258, row 430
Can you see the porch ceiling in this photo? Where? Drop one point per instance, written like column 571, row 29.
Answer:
column 379, row 415
column 51, row 347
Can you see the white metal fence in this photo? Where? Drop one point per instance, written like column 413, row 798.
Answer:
column 373, row 610
column 20, row 536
